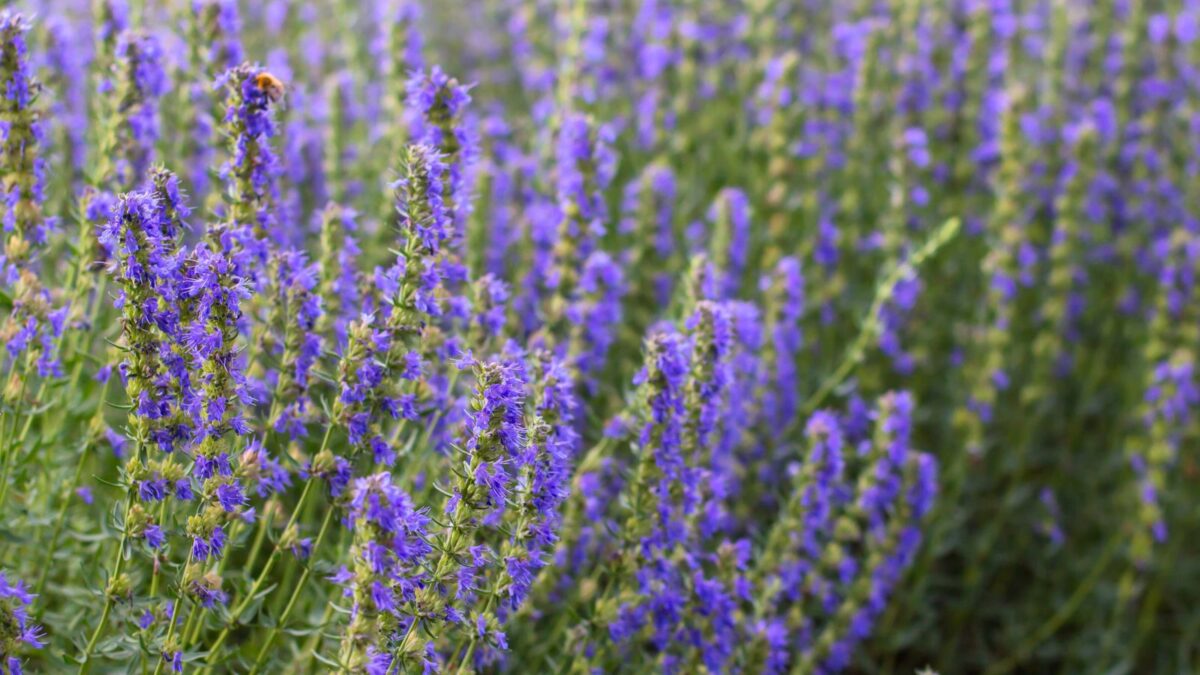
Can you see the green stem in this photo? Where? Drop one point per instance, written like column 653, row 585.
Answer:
column 154, row 579
column 118, row 566
column 59, row 521
column 215, row 648
column 171, row 626
column 1065, row 612
column 313, row 646
column 870, row 326
column 287, row 610
column 470, row 651
column 9, row 448
column 256, row 547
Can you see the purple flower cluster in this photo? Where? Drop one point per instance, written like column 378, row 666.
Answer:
column 648, row 219
column 596, row 312
column 251, row 170
column 34, row 323
column 17, row 631
column 730, row 219
column 385, row 359
column 388, row 557
column 834, row 557
column 143, row 236
column 140, row 81
column 567, row 237
column 416, row 574
column 338, row 278
column 219, row 26
column 784, row 340
column 299, row 309
column 545, row 467
column 437, row 105
column 215, row 46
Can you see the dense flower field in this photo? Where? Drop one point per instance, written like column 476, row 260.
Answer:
column 582, row 336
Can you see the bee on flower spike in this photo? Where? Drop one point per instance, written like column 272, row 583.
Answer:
column 272, row 86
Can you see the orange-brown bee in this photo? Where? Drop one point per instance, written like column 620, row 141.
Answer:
column 270, row 85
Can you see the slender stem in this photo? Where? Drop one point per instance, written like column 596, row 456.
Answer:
column 466, row 657
column 156, row 576
column 871, row 323
column 234, row 616
column 4, row 463
column 173, row 620
column 192, row 631
column 59, row 521
column 256, row 547
column 1064, row 612
column 263, row 522
column 314, row 643
column 312, row 647
column 10, row 448
column 85, row 666
column 118, row 566
column 188, row 626
column 215, row 648
column 287, row 610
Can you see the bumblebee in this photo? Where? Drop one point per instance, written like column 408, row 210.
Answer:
column 270, row 85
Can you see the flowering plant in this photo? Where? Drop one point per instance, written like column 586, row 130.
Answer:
column 659, row 336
